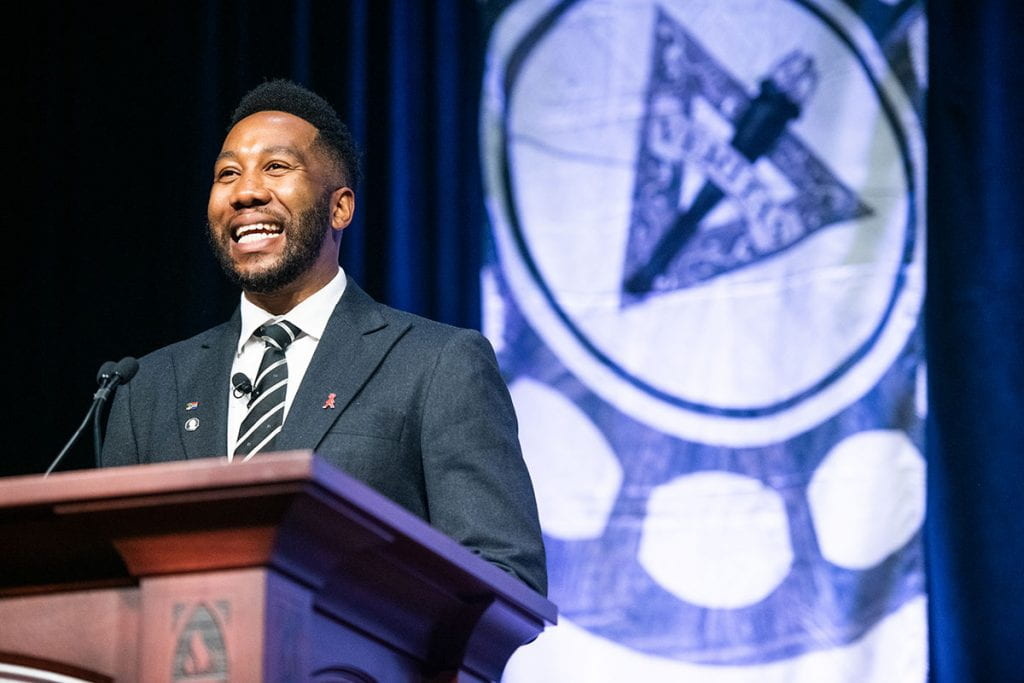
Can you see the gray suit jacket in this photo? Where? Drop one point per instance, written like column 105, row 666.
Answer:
column 421, row 414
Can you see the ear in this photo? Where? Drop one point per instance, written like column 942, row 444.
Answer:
column 343, row 208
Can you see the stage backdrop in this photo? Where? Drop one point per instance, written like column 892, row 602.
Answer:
column 705, row 290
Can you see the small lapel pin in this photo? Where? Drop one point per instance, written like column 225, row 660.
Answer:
column 329, row 403
column 191, row 405
column 192, row 424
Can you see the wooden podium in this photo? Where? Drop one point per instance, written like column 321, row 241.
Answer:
column 281, row 569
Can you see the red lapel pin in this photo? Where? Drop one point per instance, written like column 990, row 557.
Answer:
column 329, row 403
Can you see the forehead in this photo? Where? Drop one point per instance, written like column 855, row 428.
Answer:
column 269, row 129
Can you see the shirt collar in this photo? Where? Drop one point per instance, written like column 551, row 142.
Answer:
column 310, row 315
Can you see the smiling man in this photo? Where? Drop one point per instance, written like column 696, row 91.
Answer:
column 414, row 408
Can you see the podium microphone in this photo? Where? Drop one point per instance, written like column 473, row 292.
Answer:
column 109, row 376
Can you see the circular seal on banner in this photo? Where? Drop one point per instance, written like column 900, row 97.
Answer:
column 711, row 213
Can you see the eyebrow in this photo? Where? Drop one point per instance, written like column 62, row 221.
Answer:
column 273, row 149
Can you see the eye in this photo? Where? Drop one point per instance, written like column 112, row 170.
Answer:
column 277, row 167
column 225, row 175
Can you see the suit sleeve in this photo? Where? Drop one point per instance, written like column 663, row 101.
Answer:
column 478, row 488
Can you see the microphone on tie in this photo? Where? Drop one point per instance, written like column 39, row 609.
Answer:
column 241, row 385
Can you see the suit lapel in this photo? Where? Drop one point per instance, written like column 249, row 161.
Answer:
column 355, row 341
column 202, row 372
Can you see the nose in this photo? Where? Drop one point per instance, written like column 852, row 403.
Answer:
column 249, row 190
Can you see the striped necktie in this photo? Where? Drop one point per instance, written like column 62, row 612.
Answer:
column 265, row 418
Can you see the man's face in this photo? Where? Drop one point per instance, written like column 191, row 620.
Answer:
column 270, row 205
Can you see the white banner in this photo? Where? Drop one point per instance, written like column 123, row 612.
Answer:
column 705, row 288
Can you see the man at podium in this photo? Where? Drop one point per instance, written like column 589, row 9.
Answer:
column 416, row 409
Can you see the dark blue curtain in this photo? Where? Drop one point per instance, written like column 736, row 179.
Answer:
column 118, row 112
column 975, row 341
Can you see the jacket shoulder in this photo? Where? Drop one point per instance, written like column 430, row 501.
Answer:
column 425, row 329
column 165, row 355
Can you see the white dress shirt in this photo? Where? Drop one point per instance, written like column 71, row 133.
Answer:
column 310, row 316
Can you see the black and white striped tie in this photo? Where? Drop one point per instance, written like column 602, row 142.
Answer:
column 265, row 418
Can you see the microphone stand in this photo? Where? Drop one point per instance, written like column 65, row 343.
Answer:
column 106, row 386
column 111, row 374
column 99, row 399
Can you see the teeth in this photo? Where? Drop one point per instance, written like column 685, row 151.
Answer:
column 256, row 231
column 255, row 236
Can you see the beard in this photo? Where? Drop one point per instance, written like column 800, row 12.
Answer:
column 304, row 237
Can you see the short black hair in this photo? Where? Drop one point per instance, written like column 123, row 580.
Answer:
column 284, row 95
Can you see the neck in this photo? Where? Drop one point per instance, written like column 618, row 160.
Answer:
column 276, row 303
column 285, row 299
